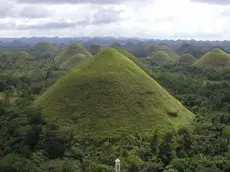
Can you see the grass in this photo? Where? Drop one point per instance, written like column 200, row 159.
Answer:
column 216, row 59
column 135, row 60
column 72, row 54
column 73, row 61
column 109, row 95
column 186, row 58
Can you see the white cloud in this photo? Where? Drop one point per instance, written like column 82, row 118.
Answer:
column 164, row 19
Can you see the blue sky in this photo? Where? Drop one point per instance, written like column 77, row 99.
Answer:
column 161, row 19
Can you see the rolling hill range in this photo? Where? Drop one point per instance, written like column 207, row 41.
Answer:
column 109, row 95
column 161, row 55
column 72, row 56
column 186, row 58
column 216, row 59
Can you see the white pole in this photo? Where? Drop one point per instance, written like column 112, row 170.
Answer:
column 117, row 165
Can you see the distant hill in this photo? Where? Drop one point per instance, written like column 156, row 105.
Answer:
column 44, row 50
column 44, row 46
column 72, row 55
column 161, row 55
column 110, row 95
column 21, row 57
column 194, row 50
column 186, row 58
column 216, row 59
column 94, row 49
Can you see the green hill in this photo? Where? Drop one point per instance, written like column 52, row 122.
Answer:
column 216, row 59
column 21, row 57
column 73, row 53
column 161, row 55
column 44, row 47
column 159, row 58
column 109, row 95
column 186, row 58
column 94, row 49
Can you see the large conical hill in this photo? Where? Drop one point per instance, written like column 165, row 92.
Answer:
column 109, row 95
column 216, row 59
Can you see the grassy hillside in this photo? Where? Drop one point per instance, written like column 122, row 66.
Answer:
column 73, row 61
column 162, row 55
column 186, row 58
column 135, row 60
column 216, row 59
column 109, row 95
column 72, row 55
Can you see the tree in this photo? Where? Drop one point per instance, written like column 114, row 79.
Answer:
column 155, row 142
column 166, row 152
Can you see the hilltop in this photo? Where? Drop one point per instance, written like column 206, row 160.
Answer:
column 109, row 95
column 135, row 60
column 161, row 55
column 72, row 56
column 216, row 59
column 186, row 58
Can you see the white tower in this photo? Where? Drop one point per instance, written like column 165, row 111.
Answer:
column 117, row 165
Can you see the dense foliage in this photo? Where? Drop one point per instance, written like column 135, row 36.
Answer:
column 30, row 143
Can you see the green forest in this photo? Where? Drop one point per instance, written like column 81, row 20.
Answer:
column 77, row 108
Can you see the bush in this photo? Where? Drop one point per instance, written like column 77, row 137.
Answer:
column 173, row 114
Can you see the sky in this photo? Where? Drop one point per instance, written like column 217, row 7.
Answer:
column 153, row 19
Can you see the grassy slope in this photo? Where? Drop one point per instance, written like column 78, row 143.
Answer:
column 186, row 58
column 73, row 61
column 135, row 60
column 109, row 95
column 214, row 59
column 71, row 54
